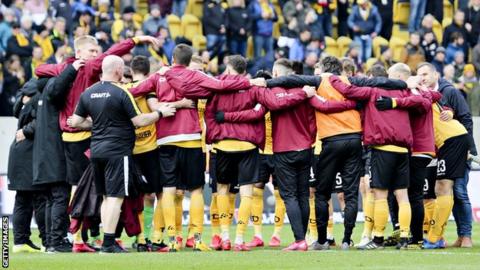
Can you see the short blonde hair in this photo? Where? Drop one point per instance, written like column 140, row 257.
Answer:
column 83, row 40
column 401, row 68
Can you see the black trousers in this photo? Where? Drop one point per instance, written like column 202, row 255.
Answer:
column 26, row 204
column 344, row 156
column 418, row 174
column 292, row 170
column 56, row 216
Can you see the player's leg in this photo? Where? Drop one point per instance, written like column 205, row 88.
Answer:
column 429, row 197
column 22, row 216
column 280, row 212
column 330, row 237
column 312, row 235
column 442, row 211
column 368, row 209
column 179, row 195
column 248, row 169
column 257, row 215
column 224, row 172
column 418, row 173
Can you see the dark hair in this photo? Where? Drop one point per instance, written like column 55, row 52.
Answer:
column 140, row 64
column 297, row 67
column 455, row 36
column 349, row 66
column 182, row 54
column 263, row 74
column 331, row 64
column 377, row 71
column 238, row 63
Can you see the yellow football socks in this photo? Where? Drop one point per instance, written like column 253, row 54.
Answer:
column 404, row 218
column 380, row 215
column 168, row 205
column 141, row 236
column 243, row 217
column 441, row 214
column 179, row 213
column 429, row 209
column 215, row 222
column 368, row 211
column 158, row 223
column 279, row 213
column 257, row 211
column 223, row 203
column 196, row 212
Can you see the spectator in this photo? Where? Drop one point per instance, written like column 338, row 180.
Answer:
column 239, row 24
column 456, row 45
column 471, row 87
column 6, row 20
column 59, row 35
column 386, row 57
column 125, row 27
column 37, row 10
column 17, row 8
column 417, row 10
column 349, row 68
column 353, row 53
column 62, row 9
column 36, row 60
column 366, row 23
column 449, row 73
column 297, row 51
column 439, row 60
column 60, row 55
column 472, row 21
column 309, row 66
column 178, row 7
column 386, row 12
column 458, row 25
column 43, row 40
column 105, row 17
column 295, row 12
column 459, row 65
column 342, row 15
column 86, row 21
column 168, row 43
column 263, row 16
column 154, row 21
column 427, row 25
column 429, row 45
column 435, row 7
column 476, row 58
column 19, row 43
column 214, row 21
column 413, row 54
column 324, row 10
column 314, row 24
column 13, row 79
column 80, row 7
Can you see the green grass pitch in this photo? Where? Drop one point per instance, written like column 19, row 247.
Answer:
column 263, row 258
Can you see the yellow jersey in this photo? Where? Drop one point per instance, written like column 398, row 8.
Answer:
column 445, row 130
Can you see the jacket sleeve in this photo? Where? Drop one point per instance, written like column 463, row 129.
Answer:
column 278, row 100
column 332, row 106
column 119, row 49
column 351, row 17
column 294, row 81
column 378, row 20
column 29, row 129
column 380, row 82
column 351, row 91
column 50, row 70
column 419, row 103
column 457, row 102
column 251, row 115
column 17, row 107
column 147, row 86
column 194, row 84
column 61, row 87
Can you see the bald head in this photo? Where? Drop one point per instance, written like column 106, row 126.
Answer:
column 399, row 71
column 112, row 68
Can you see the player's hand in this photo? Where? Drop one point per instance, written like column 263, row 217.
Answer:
column 78, row 64
column 163, row 70
column 309, row 90
column 26, row 99
column 446, row 115
column 261, row 82
column 149, row 39
column 322, row 99
column 413, row 82
column 187, row 103
column 219, row 117
column 384, row 103
column 166, row 109
column 69, row 121
column 19, row 136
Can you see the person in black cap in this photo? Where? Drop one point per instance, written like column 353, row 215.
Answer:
column 125, row 27
column 439, row 59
